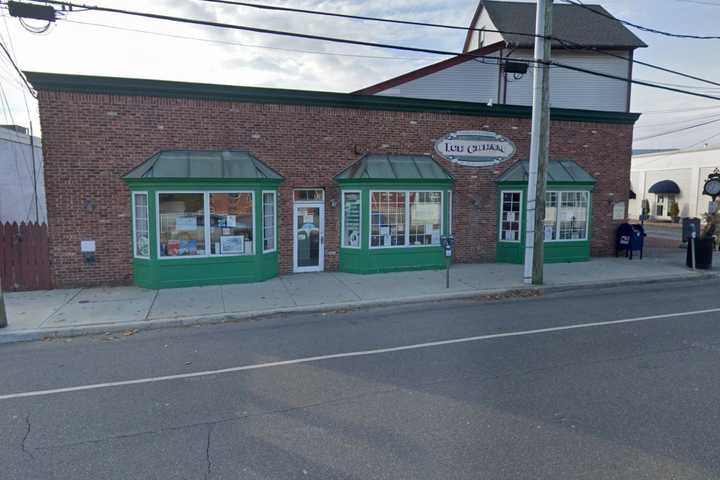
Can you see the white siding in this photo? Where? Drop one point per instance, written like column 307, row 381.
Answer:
column 16, row 178
column 471, row 81
column 688, row 169
column 489, row 37
column 571, row 89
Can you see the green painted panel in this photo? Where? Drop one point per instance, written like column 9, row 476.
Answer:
column 554, row 251
column 374, row 260
column 197, row 271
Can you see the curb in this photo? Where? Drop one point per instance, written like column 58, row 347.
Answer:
column 488, row 294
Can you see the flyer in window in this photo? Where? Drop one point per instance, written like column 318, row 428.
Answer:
column 230, row 221
column 232, row 244
column 185, row 224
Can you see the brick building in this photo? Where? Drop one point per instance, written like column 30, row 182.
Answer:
column 336, row 181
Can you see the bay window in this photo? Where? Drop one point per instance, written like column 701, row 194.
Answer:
column 205, row 224
column 269, row 221
column 566, row 215
column 510, row 216
column 351, row 218
column 231, row 223
column 182, row 224
column 412, row 218
column 141, row 228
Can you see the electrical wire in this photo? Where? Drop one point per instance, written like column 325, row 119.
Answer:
column 678, row 122
column 676, row 111
column 19, row 72
column 703, row 141
column 578, row 3
column 239, row 44
column 668, row 132
column 193, row 21
column 566, row 43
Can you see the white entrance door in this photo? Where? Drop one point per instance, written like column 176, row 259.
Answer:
column 308, row 237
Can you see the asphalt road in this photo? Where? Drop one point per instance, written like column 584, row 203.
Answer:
column 627, row 400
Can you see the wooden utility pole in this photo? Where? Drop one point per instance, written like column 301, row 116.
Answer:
column 539, row 145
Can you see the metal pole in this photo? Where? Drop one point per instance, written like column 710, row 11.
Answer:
column 32, row 152
column 3, row 312
column 539, row 143
column 692, row 248
column 447, row 274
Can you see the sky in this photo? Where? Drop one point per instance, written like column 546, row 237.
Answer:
column 98, row 43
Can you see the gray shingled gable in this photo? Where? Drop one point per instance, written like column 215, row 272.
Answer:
column 570, row 22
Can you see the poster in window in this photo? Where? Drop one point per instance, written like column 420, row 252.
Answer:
column 232, row 244
column 230, row 221
column 185, row 224
column 187, row 247
column 173, row 248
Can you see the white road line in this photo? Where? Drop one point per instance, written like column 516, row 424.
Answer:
column 360, row 353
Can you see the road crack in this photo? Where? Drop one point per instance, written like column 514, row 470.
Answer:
column 208, row 462
column 23, row 444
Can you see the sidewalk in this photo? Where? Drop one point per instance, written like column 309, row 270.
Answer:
column 35, row 315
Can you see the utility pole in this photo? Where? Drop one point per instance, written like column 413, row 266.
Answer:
column 35, row 192
column 539, row 145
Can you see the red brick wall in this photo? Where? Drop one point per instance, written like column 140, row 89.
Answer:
column 92, row 140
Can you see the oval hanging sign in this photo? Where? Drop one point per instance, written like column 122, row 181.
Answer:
column 475, row 148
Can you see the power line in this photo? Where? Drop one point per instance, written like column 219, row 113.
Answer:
column 566, row 43
column 676, row 111
column 640, row 27
column 704, row 141
column 193, row 21
column 239, row 44
column 668, row 132
column 19, row 72
column 677, row 122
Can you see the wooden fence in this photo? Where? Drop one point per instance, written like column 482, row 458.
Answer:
column 24, row 256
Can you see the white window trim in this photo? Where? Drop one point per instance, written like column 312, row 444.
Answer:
column 407, row 218
column 342, row 218
column 275, row 225
column 206, row 223
column 520, row 220
column 147, row 219
column 320, row 200
column 557, row 219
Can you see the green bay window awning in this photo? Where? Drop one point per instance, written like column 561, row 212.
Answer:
column 400, row 168
column 558, row 171
column 203, row 164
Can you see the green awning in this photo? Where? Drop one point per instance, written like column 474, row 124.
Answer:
column 394, row 167
column 558, row 171
column 216, row 164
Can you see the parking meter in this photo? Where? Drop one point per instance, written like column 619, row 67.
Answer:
column 448, row 244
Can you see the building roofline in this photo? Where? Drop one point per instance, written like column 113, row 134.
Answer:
column 468, row 36
column 430, row 69
column 83, row 84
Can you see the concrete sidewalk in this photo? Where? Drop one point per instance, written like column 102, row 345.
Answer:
column 35, row 315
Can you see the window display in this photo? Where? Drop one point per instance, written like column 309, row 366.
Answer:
column 387, row 222
column 231, row 223
column 510, row 217
column 425, row 218
column 182, row 224
column 142, row 230
column 352, row 214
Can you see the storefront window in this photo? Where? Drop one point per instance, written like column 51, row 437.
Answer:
column 387, row 219
column 142, row 230
column 510, row 217
column 231, row 223
column 351, row 219
column 425, row 218
column 269, row 207
column 182, row 224
column 572, row 215
column 551, row 199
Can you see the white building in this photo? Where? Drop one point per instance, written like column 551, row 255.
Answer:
column 672, row 176
column 18, row 178
column 607, row 47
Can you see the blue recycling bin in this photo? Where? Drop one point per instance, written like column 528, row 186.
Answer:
column 630, row 238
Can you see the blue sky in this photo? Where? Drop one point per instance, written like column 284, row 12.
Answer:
column 241, row 58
